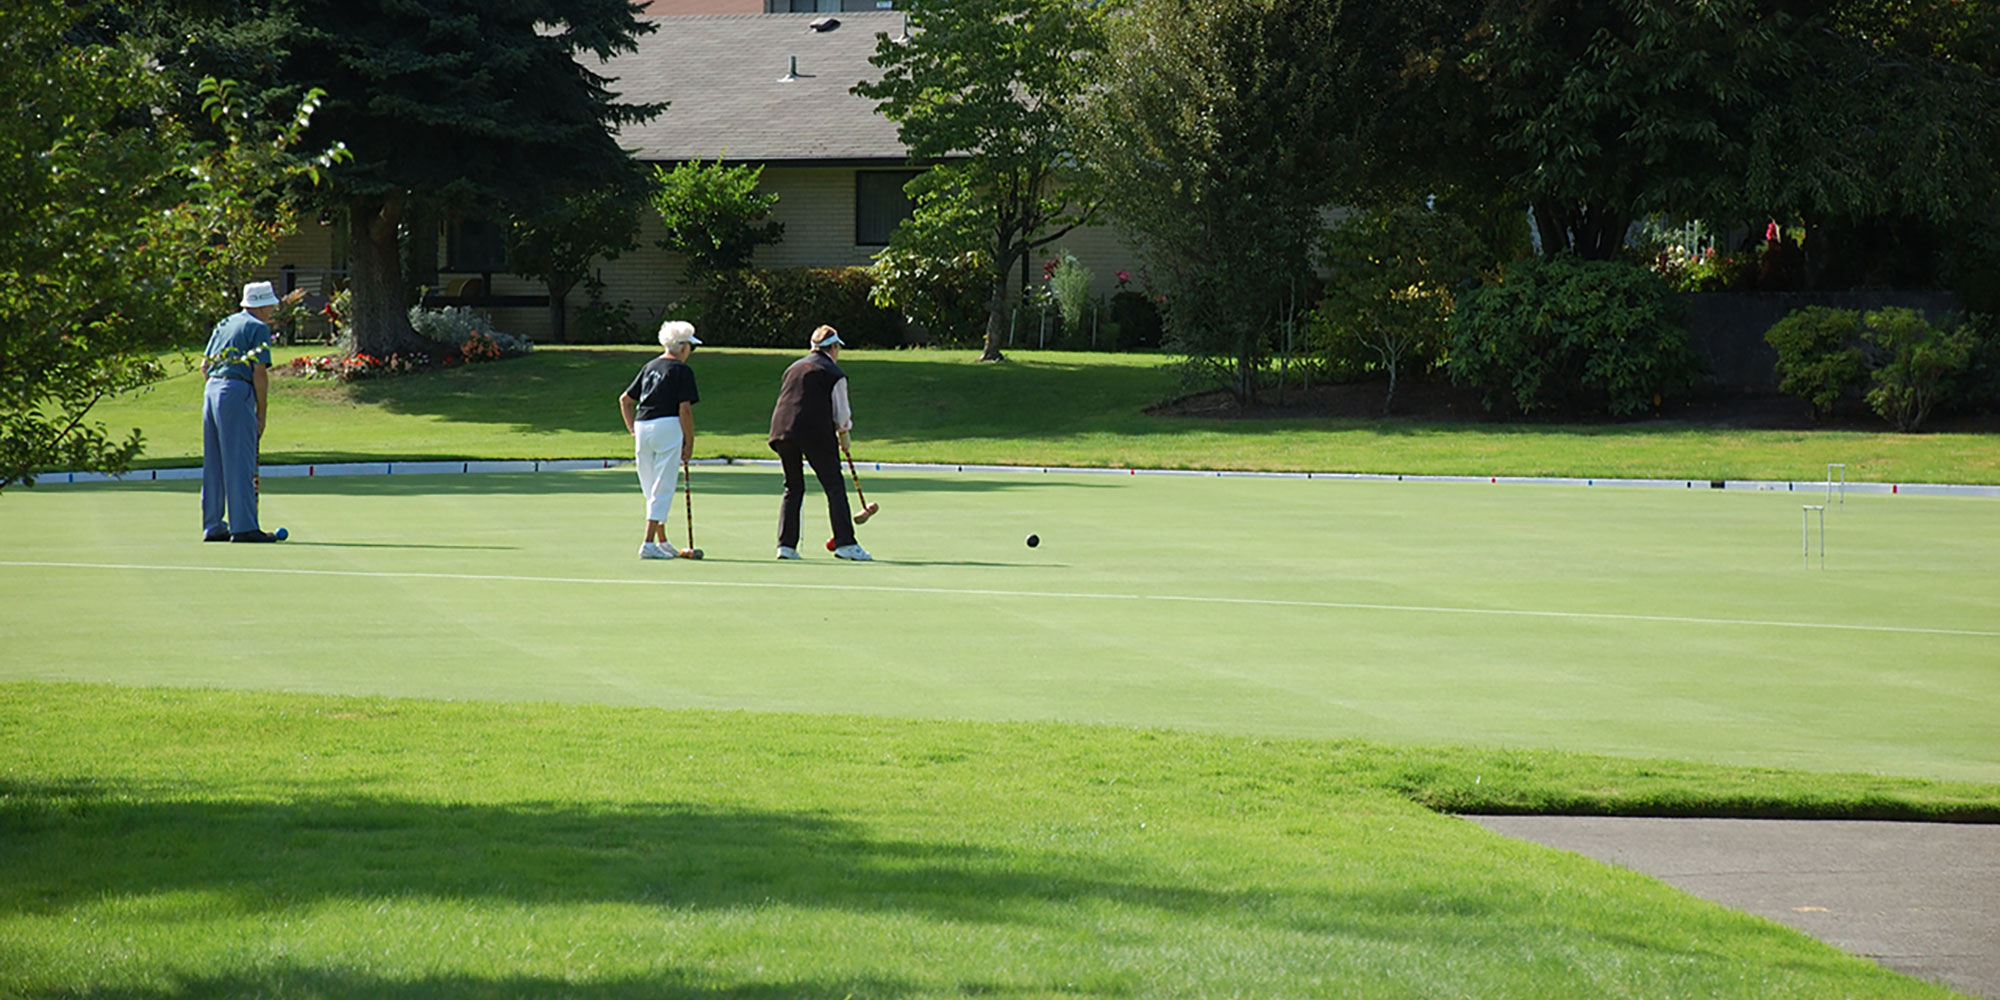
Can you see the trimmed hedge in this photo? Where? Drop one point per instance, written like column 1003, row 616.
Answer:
column 780, row 307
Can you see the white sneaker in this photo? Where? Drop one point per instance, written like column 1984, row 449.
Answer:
column 654, row 550
column 853, row 551
column 787, row 552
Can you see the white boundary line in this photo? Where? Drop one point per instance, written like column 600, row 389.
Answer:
column 1031, row 594
column 572, row 465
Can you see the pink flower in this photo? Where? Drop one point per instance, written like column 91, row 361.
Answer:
column 1771, row 232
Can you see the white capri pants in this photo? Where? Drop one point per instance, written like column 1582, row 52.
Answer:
column 656, row 450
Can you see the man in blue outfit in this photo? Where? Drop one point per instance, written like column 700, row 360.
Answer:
column 237, row 364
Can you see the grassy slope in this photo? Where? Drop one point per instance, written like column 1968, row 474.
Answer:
column 1041, row 409
column 181, row 844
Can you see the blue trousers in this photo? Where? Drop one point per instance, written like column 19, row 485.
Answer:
column 228, row 457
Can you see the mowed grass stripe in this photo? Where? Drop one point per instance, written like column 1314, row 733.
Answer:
column 1023, row 594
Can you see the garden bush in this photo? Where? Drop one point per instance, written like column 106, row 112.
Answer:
column 1820, row 356
column 1571, row 336
column 946, row 296
column 1918, row 362
column 779, row 307
column 1904, row 366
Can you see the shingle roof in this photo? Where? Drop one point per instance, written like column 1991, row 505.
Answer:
column 720, row 73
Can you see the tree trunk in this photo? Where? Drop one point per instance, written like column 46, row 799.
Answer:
column 381, row 317
column 996, row 321
column 996, row 304
column 559, row 310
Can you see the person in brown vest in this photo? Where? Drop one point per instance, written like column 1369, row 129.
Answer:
column 809, row 426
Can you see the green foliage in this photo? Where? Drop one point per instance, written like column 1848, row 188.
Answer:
column 993, row 85
column 1210, row 135
column 490, row 110
column 1820, row 355
column 1393, row 276
column 1565, row 335
column 558, row 245
column 123, row 229
column 1895, row 359
column 937, row 269
column 780, row 307
column 714, row 215
column 1977, row 388
column 1918, row 362
column 602, row 321
column 1069, row 285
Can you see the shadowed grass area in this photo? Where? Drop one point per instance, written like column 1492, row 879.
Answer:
column 167, row 844
column 1042, row 408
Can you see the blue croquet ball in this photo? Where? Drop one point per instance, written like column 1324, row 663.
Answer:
column 281, row 534
column 1034, row 540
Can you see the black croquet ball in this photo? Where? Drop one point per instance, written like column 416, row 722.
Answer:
column 1034, row 540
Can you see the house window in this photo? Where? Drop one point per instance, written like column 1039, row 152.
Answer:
column 475, row 245
column 811, row 6
column 880, row 205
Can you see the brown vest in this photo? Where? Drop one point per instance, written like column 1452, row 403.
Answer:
column 804, row 413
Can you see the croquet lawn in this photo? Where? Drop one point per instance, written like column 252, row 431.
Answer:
column 1633, row 622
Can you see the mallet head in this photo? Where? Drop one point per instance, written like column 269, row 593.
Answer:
column 866, row 513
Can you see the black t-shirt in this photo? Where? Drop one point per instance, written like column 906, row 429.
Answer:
column 662, row 386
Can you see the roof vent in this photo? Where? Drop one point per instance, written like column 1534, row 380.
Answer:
column 825, row 24
column 792, row 74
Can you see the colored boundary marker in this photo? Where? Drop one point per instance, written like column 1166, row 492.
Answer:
column 580, row 464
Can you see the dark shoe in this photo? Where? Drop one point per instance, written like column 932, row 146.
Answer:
column 220, row 536
column 253, row 536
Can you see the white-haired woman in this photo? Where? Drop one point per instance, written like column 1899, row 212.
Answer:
column 659, row 413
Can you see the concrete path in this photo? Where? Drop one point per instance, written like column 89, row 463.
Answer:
column 1920, row 898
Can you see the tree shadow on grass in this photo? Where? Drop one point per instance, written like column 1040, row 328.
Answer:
column 75, row 844
column 289, row 980
column 72, row 845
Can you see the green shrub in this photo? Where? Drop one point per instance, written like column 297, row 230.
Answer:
column 1918, row 361
column 1393, row 279
column 1976, row 389
column 945, row 295
column 1820, row 355
column 779, row 307
column 715, row 216
column 1069, row 282
column 1573, row 336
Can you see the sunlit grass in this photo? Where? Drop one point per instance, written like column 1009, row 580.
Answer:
column 184, row 844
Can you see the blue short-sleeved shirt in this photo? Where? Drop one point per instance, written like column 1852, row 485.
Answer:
column 238, row 341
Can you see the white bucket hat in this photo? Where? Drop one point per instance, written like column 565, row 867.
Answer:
column 259, row 293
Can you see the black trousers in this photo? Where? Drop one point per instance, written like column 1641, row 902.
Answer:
column 825, row 461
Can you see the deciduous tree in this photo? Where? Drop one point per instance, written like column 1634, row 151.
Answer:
column 124, row 228
column 1212, row 134
column 988, row 87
